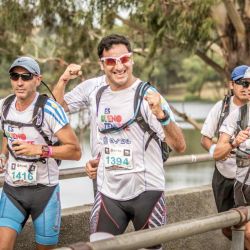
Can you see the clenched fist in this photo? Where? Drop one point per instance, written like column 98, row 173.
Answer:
column 71, row 72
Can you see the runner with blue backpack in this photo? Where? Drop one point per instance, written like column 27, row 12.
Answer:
column 37, row 135
column 135, row 128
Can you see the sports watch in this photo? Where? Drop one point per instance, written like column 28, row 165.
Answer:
column 165, row 119
column 46, row 151
column 232, row 143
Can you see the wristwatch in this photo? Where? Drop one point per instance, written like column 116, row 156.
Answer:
column 165, row 118
column 232, row 142
column 45, row 151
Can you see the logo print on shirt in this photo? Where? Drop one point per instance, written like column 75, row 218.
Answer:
column 107, row 111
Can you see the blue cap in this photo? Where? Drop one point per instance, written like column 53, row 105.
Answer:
column 27, row 63
column 240, row 72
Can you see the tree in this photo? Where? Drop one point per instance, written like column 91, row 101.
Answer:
column 58, row 32
column 199, row 26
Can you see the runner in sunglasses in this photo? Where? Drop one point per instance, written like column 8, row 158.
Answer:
column 130, row 178
column 235, row 132
column 37, row 136
column 225, row 170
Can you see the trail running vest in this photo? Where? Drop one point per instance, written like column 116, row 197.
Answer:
column 138, row 118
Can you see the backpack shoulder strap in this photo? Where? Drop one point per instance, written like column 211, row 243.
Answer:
column 38, row 116
column 98, row 96
column 6, row 105
column 225, row 107
column 38, row 112
column 139, row 95
column 243, row 117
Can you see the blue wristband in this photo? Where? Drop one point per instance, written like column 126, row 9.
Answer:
column 165, row 123
column 166, row 120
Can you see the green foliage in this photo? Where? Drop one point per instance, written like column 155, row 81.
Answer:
column 196, row 73
column 163, row 33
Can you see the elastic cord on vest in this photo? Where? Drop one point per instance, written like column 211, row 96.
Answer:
column 211, row 150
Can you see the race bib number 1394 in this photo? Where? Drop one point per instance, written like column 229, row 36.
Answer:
column 118, row 158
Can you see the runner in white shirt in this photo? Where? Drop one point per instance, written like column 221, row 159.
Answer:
column 237, row 124
column 128, row 176
column 130, row 179
column 36, row 136
column 225, row 170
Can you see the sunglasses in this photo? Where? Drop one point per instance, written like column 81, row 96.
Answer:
column 243, row 83
column 25, row 76
column 112, row 61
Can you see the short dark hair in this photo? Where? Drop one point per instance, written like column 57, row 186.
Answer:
column 108, row 41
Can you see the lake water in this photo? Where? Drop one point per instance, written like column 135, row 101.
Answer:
column 79, row 191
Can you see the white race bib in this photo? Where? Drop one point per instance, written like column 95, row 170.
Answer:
column 118, row 158
column 22, row 173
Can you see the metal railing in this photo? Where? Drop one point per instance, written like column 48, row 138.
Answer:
column 175, row 160
column 149, row 237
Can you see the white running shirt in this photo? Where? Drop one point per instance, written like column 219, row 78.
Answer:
column 228, row 167
column 136, row 170
column 229, row 127
column 54, row 119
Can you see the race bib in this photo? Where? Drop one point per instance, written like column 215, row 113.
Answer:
column 23, row 173
column 118, row 158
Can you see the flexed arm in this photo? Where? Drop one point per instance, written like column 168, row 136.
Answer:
column 71, row 72
column 224, row 146
column 173, row 134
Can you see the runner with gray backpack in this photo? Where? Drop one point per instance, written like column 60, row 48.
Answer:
column 225, row 170
column 235, row 136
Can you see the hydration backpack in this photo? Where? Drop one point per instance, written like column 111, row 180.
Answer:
column 37, row 120
column 138, row 118
column 224, row 112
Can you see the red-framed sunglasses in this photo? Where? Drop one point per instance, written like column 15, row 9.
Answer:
column 112, row 61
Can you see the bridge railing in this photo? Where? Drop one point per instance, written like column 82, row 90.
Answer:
column 146, row 238
column 174, row 160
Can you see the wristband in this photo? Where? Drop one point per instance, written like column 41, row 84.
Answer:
column 46, row 151
column 166, row 119
column 211, row 150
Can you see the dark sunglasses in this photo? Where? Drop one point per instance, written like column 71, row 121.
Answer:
column 243, row 83
column 25, row 76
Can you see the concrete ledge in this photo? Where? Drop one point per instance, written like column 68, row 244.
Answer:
column 182, row 205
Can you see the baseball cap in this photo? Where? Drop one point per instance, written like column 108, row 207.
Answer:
column 27, row 63
column 242, row 71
